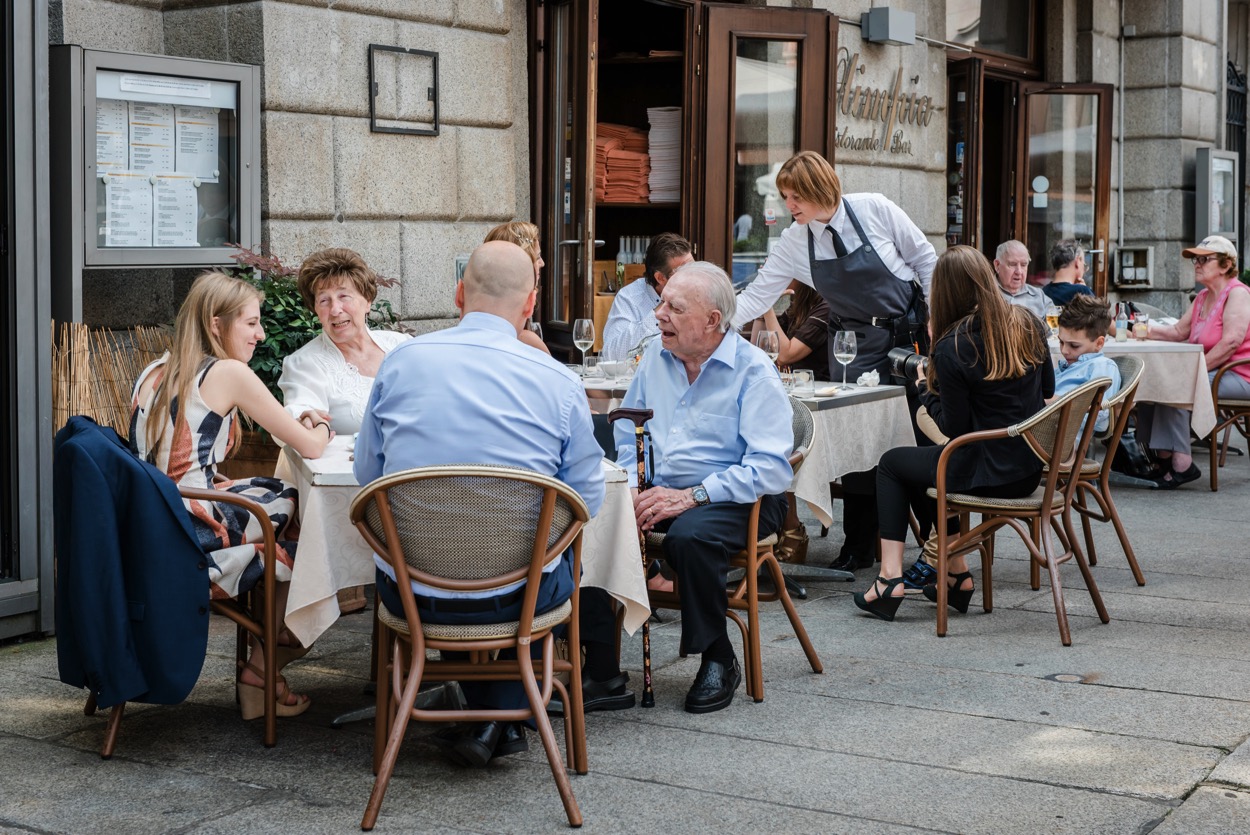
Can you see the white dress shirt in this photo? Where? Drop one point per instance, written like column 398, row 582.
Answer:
column 900, row 244
column 317, row 376
column 632, row 317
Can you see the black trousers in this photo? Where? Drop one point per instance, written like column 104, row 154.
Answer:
column 697, row 545
column 903, row 476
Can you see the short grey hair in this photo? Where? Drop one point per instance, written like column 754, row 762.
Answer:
column 1065, row 252
column 1006, row 246
column 718, row 290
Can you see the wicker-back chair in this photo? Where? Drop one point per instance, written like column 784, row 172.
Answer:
column 1095, row 477
column 759, row 554
column 1054, row 435
column 1230, row 414
column 473, row 528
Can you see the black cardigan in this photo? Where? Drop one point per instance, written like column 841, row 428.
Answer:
column 966, row 402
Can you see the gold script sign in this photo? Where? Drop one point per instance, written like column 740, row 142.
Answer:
column 891, row 105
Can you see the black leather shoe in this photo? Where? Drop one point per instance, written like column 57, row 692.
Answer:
column 713, row 687
column 599, row 695
column 475, row 746
column 847, row 561
column 511, row 741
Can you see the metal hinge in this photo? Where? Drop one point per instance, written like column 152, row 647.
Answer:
column 698, row 69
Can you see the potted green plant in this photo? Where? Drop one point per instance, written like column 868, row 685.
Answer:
column 288, row 325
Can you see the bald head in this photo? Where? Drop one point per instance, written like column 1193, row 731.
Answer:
column 499, row 279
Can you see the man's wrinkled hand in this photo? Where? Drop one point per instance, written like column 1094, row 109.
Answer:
column 659, row 503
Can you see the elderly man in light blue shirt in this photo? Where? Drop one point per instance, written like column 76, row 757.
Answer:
column 474, row 394
column 722, row 439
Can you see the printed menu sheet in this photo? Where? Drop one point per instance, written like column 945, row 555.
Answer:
column 128, row 209
column 195, row 130
column 174, row 211
column 151, row 137
column 112, row 146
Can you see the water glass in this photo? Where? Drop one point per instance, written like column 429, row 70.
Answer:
column 590, row 367
column 804, row 382
column 769, row 343
column 1141, row 326
column 787, row 381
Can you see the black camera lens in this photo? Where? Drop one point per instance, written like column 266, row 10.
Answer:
column 904, row 363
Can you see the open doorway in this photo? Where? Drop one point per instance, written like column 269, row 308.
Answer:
column 997, row 145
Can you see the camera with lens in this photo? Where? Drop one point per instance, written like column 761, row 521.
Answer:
column 905, row 363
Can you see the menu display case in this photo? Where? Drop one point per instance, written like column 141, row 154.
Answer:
column 155, row 163
column 1215, row 201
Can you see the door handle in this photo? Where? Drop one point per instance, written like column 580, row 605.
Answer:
column 569, row 243
column 599, row 243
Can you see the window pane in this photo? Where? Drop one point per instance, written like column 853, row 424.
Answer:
column 765, row 108
column 996, row 25
column 1063, row 142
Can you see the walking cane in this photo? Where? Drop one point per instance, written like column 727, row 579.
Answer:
column 638, row 417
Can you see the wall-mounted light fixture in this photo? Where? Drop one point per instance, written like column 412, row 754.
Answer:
column 403, row 90
column 889, row 26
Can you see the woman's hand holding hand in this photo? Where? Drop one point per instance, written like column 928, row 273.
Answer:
column 311, row 417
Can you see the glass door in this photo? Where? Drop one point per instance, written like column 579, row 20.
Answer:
column 963, row 151
column 565, row 97
column 1063, row 174
column 768, row 93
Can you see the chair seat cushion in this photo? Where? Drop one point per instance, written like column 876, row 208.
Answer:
column 1228, row 403
column 477, row 631
column 1088, row 468
column 1033, row 501
column 655, row 541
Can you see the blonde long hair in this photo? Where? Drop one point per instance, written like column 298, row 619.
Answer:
column 213, row 295
column 519, row 232
column 964, row 288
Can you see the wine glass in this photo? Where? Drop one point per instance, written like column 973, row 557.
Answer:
column 583, row 338
column 535, row 328
column 844, row 350
column 1052, row 319
column 768, row 342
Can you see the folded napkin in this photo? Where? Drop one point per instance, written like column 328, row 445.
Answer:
column 869, row 379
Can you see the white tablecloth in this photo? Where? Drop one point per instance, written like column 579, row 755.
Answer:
column 851, row 434
column 1175, row 375
column 332, row 555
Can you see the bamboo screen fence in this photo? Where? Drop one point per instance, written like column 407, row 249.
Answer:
column 94, row 371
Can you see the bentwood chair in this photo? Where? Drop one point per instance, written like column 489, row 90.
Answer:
column 465, row 528
column 1054, row 435
column 1095, row 477
column 1230, row 414
column 760, row 554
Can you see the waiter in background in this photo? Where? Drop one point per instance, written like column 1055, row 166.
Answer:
column 864, row 255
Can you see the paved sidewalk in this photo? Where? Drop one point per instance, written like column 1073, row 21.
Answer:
column 1140, row 726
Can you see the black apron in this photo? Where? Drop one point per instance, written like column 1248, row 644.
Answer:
column 866, row 297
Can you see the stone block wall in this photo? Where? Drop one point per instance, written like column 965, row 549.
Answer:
column 409, row 204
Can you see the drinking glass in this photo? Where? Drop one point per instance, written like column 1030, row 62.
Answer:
column 1052, row 319
column 844, row 350
column 1141, row 326
column 536, row 328
column 583, row 337
column 804, row 384
column 768, row 342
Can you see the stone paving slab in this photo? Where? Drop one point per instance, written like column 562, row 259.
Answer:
column 1235, row 769
column 1209, row 810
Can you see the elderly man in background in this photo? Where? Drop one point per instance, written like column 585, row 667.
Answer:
column 630, row 319
column 1011, row 265
column 722, row 440
column 475, row 394
column 1067, row 257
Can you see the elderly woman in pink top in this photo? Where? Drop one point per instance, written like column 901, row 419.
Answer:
column 1219, row 321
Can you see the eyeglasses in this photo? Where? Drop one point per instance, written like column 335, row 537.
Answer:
column 1199, row 260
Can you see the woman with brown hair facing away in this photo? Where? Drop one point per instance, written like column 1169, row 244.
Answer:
column 802, row 334
column 989, row 368
column 524, row 235
column 183, row 420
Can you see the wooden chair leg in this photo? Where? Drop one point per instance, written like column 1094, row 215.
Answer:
column 1114, row 514
column 394, row 740
column 382, row 718
column 1042, row 539
column 1035, row 573
column 526, row 666
column 796, row 623
column 987, row 578
column 110, row 734
column 1086, row 528
column 1088, row 575
column 756, row 676
column 1215, row 476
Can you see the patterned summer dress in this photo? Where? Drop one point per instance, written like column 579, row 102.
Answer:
column 225, row 531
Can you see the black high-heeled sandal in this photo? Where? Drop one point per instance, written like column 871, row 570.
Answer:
column 886, row 603
column 956, row 597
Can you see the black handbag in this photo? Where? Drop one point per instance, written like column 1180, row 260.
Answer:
column 1133, row 458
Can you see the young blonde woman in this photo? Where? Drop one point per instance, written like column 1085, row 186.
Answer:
column 183, row 420
column 989, row 368
column 524, row 235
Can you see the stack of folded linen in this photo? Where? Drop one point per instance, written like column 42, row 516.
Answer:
column 664, row 141
column 622, row 165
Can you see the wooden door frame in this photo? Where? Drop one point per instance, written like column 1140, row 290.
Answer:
column 974, row 67
column 1100, row 237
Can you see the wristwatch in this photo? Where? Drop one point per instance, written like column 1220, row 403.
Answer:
column 699, row 493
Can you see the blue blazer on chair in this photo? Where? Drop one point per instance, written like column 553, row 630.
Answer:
column 132, row 591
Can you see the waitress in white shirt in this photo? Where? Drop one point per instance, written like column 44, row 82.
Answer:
column 872, row 265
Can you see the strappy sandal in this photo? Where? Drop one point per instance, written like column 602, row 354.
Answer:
column 957, row 597
column 886, row 604
column 252, row 696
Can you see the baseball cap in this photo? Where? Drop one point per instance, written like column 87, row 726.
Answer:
column 1212, row 245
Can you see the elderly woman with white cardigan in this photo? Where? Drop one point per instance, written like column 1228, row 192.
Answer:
column 330, row 378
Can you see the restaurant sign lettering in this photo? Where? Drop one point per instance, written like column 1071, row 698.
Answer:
column 891, row 106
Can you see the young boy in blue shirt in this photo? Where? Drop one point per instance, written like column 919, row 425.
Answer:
column 1083, row 326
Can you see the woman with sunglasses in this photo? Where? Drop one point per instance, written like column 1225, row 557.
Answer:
column 1219, row 321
